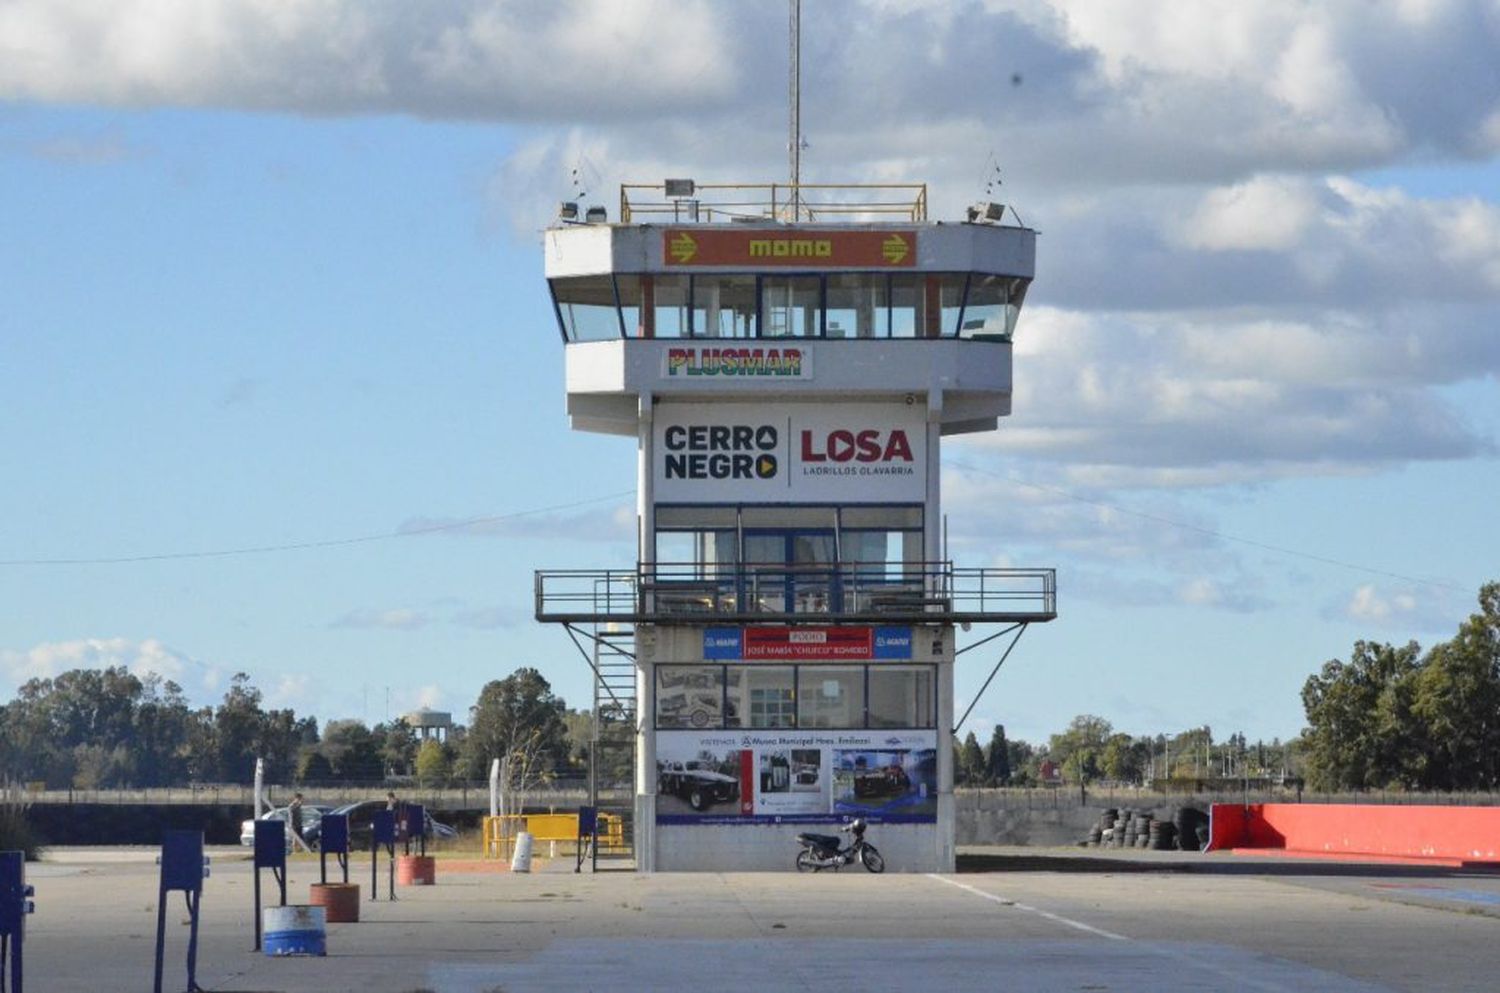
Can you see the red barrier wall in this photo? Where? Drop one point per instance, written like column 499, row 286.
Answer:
column 1464, row 834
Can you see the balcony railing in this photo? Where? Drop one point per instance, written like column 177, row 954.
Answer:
column 846, row 592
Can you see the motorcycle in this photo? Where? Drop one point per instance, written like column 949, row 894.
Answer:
column 827, row 851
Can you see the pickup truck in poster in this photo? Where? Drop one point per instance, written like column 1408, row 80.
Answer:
column 696, row 783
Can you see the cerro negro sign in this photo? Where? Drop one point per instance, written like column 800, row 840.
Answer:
column 849, row 453
column 720, row 451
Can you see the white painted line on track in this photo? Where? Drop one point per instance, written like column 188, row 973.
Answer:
column 1056, row 918
column 1237, row 978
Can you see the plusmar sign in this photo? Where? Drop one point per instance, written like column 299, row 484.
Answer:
column 790, row 247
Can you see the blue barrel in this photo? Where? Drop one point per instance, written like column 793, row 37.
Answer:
column 297, row 930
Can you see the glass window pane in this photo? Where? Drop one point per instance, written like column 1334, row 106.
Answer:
column 587, row 305
column 902, row 697
column 789, row 306
column 951, row 295
column 831, row 696
column 788, row 517
column 669, row 303
column 856, row 305
column 702, row 549
column 881, row 517
column 689, row 696
column 992, row 306
column 694, row 517
column 724, row 306
column 629, row 289
column 760, row 697
column 908, row 306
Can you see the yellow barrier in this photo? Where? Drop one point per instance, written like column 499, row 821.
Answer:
column 500, row 832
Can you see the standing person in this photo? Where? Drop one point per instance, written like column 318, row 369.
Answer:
column 395, row 807
column 294, row 810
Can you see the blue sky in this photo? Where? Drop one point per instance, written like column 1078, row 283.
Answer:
column 276, row 281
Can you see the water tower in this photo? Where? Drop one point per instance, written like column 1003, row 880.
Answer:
column 787, row 361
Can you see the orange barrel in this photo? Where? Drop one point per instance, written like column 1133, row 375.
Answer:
column 416, row 870
column 340, row 901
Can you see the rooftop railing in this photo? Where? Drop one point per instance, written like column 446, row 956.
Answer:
column 726, row 202
column 845, row 592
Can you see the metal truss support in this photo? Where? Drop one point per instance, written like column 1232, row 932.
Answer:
column 1019, row 630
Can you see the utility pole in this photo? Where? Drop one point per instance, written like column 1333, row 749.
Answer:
column 794, row 106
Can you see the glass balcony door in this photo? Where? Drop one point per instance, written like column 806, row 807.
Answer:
column 791, row 570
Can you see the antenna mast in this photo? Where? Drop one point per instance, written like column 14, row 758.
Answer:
column 794, row 102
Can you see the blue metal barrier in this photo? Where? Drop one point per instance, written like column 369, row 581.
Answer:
column 416, row 827
column 270, row 853
column 383, row 835
column 15, row 904
column 333, row 839
column 183, row 867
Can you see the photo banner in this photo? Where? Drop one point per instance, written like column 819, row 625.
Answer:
column 786, row 776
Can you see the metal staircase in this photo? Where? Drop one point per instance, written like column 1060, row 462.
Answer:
column 612, row 751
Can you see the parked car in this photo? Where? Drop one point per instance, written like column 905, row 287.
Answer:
column 697, row 783
column 312, row 813
column 361, row 815
column 890, row 780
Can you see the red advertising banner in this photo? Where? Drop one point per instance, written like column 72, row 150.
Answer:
column 800, row 248
column 809, row 643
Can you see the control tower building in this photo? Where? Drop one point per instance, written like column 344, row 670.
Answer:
column 787, row 363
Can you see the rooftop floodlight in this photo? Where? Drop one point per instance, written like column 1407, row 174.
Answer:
column 568, row 210
column 678, row 187
column 987, row 212
column 596, row 215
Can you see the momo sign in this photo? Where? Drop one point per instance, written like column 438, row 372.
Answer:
column 845, row 453
column 803, row 248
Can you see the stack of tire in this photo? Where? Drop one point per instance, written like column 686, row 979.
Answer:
column 1192, row 829
column 1126, row 828
column 1162, row 836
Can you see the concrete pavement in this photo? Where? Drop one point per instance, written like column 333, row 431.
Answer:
column 1038, row 920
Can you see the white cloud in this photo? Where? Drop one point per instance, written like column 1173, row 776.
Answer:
column 1369, row 605
column 1262, row 214
column 1404, row 609
column 491, row 618
column 395, row 619
column 142, row 658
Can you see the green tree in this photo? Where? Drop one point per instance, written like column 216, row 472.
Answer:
column 1360, row 730
column 1079, row 750
column 519, row 716
column 433, row 765
column 970, row 770
column 237, row 725
column 313, row 767
column 398, row 748
column 1456, row 702
column 997, row 758
column 353, row 751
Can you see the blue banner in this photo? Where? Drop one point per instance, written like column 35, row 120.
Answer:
column 893, row 643
column 722, row 643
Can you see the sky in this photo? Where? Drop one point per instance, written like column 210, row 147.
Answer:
column 281, row 389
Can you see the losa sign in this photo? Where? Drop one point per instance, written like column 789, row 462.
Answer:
column 846, row 453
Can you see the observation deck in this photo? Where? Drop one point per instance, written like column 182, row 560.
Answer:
column 779, row 592
column 816, row 292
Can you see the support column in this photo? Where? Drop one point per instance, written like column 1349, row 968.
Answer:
column 645, row 646
column 947, row 807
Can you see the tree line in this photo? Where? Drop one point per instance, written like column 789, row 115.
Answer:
column 109, row 728
column 1090, row 750
column 1396, row 716
column 1388, row 717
